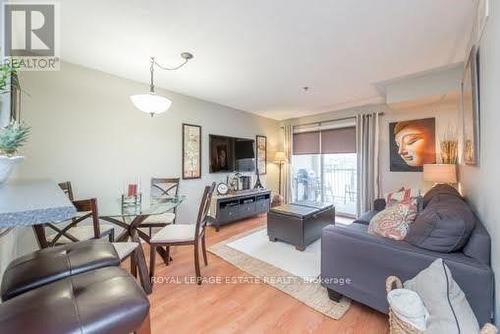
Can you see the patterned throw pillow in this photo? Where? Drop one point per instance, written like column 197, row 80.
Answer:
column 393, row 222
column 403, row 195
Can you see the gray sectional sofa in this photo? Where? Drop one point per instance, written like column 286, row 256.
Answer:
column 356, row 264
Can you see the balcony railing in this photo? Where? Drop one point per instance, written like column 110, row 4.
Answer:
column 339, row 187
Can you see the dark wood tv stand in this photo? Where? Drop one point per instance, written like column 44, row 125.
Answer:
column 229, row 208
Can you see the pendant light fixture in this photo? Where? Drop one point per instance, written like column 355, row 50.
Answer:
column 151, row 102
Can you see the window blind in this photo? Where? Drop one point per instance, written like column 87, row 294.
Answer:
column 338, row 141
column 330, row 141
column 306, row 143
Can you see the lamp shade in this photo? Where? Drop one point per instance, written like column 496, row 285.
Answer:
column 440, row 173
column 280, row 157
column 151, row 103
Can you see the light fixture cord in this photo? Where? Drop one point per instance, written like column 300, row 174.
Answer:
column 170, row 68
column 152, row 69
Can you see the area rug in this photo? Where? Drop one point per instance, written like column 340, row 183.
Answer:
column 283, row 267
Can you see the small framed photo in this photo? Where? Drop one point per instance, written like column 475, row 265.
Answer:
column 261, row 144
column 191, row 151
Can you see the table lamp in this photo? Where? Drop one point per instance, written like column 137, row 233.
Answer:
column 440, row 173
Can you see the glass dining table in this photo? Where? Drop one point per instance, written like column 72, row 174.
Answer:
column 129, row 217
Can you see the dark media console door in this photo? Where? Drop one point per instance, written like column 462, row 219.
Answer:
column 239, row 206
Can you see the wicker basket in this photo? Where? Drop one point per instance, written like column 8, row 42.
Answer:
column 396, row 325
column 488, row 329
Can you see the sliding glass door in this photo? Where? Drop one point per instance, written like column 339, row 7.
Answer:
column 340, row 181
column 324, row 168
column 306, row 183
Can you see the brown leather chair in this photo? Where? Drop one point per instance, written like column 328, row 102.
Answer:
column 52, row 264
column 106, row 300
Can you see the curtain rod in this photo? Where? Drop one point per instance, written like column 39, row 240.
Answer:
column 381, row 113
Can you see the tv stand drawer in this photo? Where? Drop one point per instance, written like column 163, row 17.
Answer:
column 240, row 206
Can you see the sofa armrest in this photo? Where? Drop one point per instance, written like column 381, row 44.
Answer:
column 366, row 217
column 379, row 204
column 367, row 260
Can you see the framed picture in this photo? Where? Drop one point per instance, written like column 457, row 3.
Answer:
column 191, row 151
column 261, row 144
column 470, row 109
column 412, row 144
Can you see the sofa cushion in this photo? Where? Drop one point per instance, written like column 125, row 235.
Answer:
column 479, row 245
column 440, row 189
column 444, row 299
column 393, row 222
column 444, row 225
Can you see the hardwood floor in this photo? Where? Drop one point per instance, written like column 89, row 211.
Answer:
column 178, row 307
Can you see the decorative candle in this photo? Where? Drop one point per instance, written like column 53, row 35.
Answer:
column 132, row 189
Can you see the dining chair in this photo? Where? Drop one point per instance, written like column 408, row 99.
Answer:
column 74, row 232
column 185, row 235
column 67, row 189
column 88, row 210
column 162, row 188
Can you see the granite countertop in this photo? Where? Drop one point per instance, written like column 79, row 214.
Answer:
column 33, row 202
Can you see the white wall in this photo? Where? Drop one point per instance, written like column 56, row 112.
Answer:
column 433, row 83
column 86, row 130
column 481, row 185
column 445, row 112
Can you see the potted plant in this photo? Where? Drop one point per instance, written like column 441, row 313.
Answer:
column 8, row 77
column 15, row 134
column 12, row 137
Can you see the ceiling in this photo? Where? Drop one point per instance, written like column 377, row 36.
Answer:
column 256, row 55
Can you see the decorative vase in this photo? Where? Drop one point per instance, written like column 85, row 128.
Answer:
column 7, row 165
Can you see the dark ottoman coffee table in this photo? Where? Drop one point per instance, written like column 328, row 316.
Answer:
column 299, row 223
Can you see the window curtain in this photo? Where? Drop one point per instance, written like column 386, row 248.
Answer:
column 287, row 168
column 367, row 146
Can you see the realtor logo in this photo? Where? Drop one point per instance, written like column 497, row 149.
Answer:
column 30, row 35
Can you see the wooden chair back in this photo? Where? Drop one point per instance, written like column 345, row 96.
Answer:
column 89, row 206
column 202, row 219
column 67, row 189
column 164, row 186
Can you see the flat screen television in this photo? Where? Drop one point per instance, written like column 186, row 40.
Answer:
column 230, row 154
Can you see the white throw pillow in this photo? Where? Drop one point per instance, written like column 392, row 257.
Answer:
column 445, row 301
column 408, row 306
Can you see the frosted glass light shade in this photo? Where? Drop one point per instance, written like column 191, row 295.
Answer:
column 440, row 173
column 151, row 103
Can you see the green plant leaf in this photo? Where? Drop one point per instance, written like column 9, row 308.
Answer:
column 13, row 137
